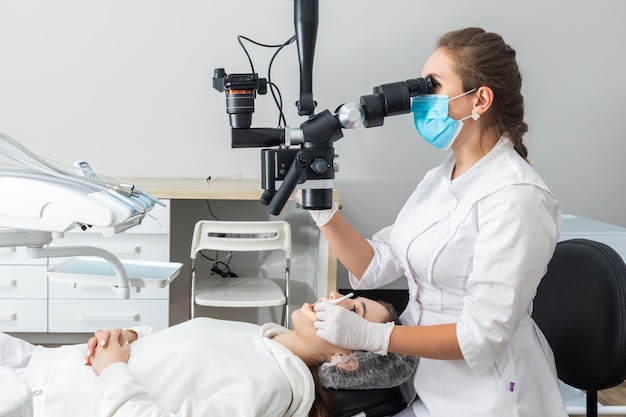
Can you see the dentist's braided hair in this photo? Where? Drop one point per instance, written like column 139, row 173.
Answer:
column 483, row 58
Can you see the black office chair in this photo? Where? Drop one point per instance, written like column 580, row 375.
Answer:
column 581, row 308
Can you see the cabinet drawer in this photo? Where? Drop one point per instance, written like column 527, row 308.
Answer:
column 60, row 290
column 124, row 246
column 85, row 316
column 23, row 281
column 19, row 315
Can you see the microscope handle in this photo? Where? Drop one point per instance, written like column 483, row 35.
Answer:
column 267, row 197
column 301, row 161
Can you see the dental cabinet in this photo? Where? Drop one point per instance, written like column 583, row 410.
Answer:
column 36, row 308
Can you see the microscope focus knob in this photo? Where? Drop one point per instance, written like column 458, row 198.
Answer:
column 319, row 166
column 350, row 115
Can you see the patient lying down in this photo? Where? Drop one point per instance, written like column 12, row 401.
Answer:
column 202, row 367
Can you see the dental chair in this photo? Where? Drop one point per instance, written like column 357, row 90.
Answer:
column 369, row 403
column 41, row 201
column 580, row 307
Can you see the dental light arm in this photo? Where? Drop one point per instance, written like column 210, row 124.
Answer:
column 305, row 156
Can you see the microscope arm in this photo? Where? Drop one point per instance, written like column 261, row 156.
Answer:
column 306, row 18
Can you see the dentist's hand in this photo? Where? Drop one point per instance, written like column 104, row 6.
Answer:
column 320, row 217
column 344, row 328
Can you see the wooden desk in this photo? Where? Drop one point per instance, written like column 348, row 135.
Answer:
column 200, row 189
column 222, row 189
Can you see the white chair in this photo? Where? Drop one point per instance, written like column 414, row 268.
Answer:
column 239, row 236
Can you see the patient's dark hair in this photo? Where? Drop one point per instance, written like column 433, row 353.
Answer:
column 324, row 404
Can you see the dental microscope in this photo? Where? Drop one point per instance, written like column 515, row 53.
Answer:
column 304, row 156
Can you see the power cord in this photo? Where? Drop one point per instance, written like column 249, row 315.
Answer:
column 222, row 269
column 273, row 87
column 219, row 267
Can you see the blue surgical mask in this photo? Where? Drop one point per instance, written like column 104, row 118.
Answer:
column 430, row 114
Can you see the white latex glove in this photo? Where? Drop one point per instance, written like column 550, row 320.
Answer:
column 320, row 217
column 344, row 328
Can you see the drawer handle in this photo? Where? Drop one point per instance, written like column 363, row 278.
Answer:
column 8, row 317
column 121, row 250
column 9, row 282
column 109, row 317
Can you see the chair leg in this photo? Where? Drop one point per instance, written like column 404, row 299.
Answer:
column 283, row 318
column 193, row 293
column 592, row 403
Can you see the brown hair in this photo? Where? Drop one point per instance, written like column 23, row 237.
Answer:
column 324, row 404
column 484, row 59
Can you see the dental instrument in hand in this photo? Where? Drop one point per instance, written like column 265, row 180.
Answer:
column 340, row 299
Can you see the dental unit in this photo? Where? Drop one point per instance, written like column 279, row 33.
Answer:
column 41, row 202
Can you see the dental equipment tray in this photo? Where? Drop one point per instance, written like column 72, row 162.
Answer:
column 94, row 271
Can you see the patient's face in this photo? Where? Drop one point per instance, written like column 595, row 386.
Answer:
column 371, row 310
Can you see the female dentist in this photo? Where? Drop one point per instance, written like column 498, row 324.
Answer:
column 474, row 240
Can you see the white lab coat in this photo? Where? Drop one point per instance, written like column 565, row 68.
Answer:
column 202, row 367
column 474, row 250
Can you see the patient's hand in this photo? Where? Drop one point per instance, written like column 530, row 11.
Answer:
column 102, row 337
column 106, row 348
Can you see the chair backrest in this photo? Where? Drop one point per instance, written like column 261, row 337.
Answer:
column 581, row 309
column 241, row 236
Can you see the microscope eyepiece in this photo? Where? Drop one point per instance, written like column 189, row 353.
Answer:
column 392, row 99
column 420, row 86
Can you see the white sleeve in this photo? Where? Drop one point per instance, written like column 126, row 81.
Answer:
column 141, row 331
column 124, row 396
column 518, row 230
column 384, row 267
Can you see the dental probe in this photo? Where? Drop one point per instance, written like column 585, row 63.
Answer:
column 340, row 299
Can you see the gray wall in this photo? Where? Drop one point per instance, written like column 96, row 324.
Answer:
column 126, row 85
